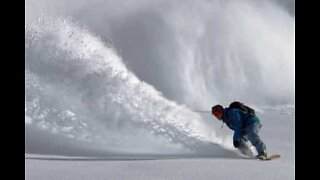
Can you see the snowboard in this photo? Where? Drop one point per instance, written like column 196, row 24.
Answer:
column 272, row 157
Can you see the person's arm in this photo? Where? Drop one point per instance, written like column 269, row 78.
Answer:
column 235, row 114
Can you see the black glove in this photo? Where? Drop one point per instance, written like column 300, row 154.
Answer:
column 236, row 143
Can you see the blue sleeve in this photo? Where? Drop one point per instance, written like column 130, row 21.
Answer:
column 235, row 114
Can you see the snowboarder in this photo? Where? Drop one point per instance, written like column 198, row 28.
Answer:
column 246, row 127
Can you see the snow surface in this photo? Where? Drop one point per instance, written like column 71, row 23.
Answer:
column 277, row 132
column 121, row 89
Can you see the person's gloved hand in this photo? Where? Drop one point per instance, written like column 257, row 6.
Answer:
column 236, row 143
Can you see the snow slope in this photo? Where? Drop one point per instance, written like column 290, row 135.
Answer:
column 122, row 89
column 277, row 132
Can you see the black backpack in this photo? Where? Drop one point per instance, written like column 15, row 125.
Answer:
column 243, row 107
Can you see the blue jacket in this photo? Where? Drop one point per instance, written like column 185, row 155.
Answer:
column 238, row 121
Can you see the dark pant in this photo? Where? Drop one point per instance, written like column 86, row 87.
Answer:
column 252, row 135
